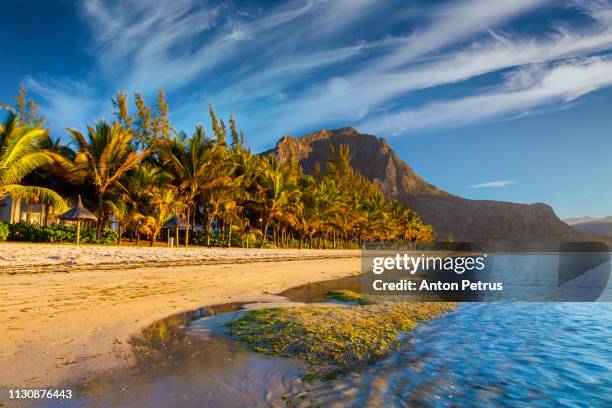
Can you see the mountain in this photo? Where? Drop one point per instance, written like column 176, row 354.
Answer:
column 582, row 220
column 592, row 225
column 467, row 220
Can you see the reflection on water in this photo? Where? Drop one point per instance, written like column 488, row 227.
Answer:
column 216, row 372
column 185, row 360
column 180, row 367
column 316, row 291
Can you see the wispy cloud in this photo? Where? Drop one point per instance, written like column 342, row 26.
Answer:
column 307, row 64
column 67, row 103
column 523, row 90
column 493, row 184
column 154, row 44
column 359, row 98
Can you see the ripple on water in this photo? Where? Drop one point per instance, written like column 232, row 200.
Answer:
column 547, row 354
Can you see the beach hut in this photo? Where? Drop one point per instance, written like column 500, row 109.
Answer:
column 175, row 223
column 78, row 214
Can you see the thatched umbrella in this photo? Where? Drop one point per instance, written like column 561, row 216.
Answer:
column 78, row 214
column 176, row 222
column 250, row 232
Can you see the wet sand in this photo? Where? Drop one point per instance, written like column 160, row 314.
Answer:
column 69, row 324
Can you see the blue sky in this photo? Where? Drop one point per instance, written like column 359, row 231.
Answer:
column 506, row 100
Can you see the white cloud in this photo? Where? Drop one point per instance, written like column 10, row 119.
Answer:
column 67, row 103
column 559, row 83
column 153, row 44
column 454, row 23
column 315, row 63
column 493, row 184
column 366, row 91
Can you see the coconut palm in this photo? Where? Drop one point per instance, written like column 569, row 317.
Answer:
column 125, row 213
column 197, row 166
column 276, row 193
column 19, row 156
column 164, row 204
column 103, row 158
column 138, row 189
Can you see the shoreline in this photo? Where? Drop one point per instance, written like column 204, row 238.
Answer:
column 61, row 328
column 43, row 257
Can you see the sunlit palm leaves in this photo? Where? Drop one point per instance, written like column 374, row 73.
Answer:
column 103, row 157
column 19, row 156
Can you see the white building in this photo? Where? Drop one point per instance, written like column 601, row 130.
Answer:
column 12, row 211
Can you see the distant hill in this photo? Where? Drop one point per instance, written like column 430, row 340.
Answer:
column 466, row 220
column 592, row 225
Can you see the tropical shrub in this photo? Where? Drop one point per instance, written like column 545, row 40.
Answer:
column 107, row 236
column 198, row 237
column 31, row 232
column 4, row 231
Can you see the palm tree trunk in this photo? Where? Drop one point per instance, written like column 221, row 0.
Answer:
column 100, row 215
column 229, row 235
column 154, row 236
column 187, row 229
column 265, row 234
column 208, row 231
column 137, row 237
column 78, row 232
column 46, row 221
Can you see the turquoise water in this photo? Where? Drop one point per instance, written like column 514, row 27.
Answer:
column 491, row 354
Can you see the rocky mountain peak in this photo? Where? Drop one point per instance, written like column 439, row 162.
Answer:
column 466, row 220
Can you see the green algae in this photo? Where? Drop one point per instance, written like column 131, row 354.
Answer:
column 349, row 296
column 332, row 340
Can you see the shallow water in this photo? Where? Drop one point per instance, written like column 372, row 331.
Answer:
column 186, row 360
column 481, row 354
column 490, row 354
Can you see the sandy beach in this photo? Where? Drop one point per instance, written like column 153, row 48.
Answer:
column 28, row 258
column 74, row 316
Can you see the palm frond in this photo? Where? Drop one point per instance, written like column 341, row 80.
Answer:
column 34, row 194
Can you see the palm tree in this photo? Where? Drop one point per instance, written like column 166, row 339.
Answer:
column 103, row 157
column 275, row 194
column 19, row 156
column 196, row 165
column 426, row 234
column 164, row 205
column 228, row 205
column 126, row 214
column 138, row 189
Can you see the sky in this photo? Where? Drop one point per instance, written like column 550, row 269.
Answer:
column 504, row 100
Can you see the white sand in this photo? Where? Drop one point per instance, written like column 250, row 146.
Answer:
column 64, row 327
